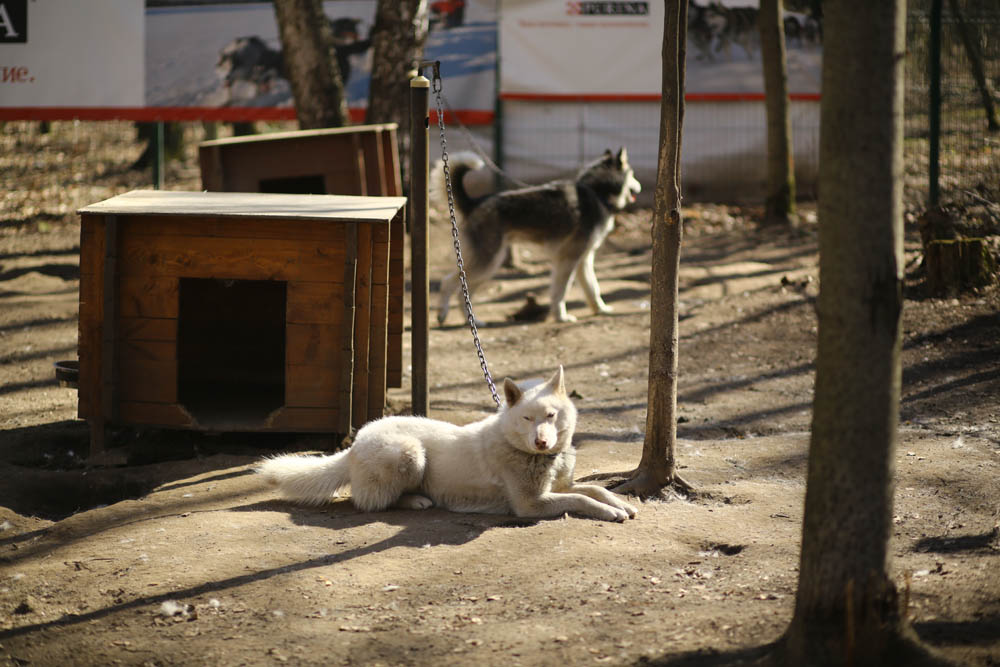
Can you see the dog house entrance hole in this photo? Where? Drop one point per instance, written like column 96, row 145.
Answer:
column 231, row 350
column 297, row 185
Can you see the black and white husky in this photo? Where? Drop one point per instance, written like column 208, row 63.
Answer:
column 570, row 218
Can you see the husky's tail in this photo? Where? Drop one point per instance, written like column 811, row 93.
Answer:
column 459, row 165
column 308, row 479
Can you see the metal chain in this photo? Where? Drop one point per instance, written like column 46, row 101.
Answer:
column 436, row 87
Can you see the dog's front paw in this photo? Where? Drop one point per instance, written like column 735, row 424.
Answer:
column 618, row 515
column 629, row 509
column 565, row 317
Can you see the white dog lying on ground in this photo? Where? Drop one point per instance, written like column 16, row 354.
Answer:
column 519, row 460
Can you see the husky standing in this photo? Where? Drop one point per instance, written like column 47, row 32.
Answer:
column 571, row 218
column 519, row 460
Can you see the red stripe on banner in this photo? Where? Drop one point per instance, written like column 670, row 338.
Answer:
column 185, row 114
column 467, row 117
column 689, row 97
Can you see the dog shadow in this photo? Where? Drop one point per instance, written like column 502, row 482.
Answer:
column 420, row 529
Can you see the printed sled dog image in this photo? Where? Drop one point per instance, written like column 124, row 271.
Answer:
column 518, row 461
column 570, row 218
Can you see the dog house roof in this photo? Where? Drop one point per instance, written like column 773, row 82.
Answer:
column 349, row 130
column 344, row 208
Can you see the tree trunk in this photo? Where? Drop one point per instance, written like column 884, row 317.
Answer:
column 779, row 204
column 398, row 40
column 310, row 63
column 971, row 43
column 657, row 467
column 958, row 265
column 846, row 607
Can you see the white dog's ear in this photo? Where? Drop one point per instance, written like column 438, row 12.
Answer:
column 622, row 156
column 557, row 382
column 511, row 392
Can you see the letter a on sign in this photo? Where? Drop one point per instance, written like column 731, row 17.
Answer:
column 13, row 21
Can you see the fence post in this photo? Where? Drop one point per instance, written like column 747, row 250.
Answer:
column 934, row 113
column 498, row 156
column 419, row 246
column 159, row 160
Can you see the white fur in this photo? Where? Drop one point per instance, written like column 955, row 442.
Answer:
column 518, row 461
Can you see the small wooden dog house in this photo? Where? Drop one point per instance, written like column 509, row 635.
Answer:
column 352, row 160
column 235, row 312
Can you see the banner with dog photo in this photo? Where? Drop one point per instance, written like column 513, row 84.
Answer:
column 605, row 49
column 211, row 59
column 581, row 76
column 219, row 55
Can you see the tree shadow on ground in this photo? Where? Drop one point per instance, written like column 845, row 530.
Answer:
column 982, row 630
column 984, row 542
column 709, row 658
column 418, row 530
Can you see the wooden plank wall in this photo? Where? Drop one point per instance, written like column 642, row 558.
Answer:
column 364, row 161
column 155, row 252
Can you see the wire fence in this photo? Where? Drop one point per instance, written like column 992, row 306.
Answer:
column 969, row 150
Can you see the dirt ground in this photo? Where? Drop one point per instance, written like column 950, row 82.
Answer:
column 172, row 553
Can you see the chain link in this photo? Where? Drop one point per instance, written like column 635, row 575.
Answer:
column 436, row 87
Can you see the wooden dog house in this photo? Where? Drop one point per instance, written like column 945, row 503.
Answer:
column 352, row 160
column 235, row 311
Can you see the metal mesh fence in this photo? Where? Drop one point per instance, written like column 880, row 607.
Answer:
column 969, row 150
column 725, row 143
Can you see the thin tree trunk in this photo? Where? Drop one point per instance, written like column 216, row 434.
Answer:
column 657, row 467
column 846, row 607
column 310, row 64
column 976, row 64
column 780, row 202
column 398, row 40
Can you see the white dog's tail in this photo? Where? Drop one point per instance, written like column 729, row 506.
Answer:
column 308, row 479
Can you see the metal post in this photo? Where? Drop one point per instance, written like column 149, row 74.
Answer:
column 498, row 156
column 419, row 245
column 934, row 57
column 158, row 155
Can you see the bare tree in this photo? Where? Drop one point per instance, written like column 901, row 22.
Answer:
column 657, row 467
column 779, row 204
column 847, row 610
column 970, row 39
column 398, row 40
column 310, row 63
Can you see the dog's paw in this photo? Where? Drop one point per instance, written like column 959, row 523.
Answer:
column 630, row 510
column 412, row 501
column 619, row 515
column 565, row 317
column 603, row 309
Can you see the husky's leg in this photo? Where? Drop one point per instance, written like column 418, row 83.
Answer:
column 449, row 284
column 562, row 279
column 383, row 470
column 588, row 278
column 477, row 272
column 600, row 494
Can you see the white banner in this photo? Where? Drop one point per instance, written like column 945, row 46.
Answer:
column 68, row 53
column 594, row 48
column 610, row 49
